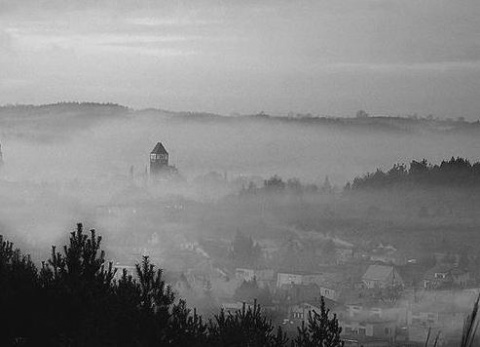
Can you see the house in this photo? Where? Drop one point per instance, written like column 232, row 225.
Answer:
column 362, row 341
column 436, row 316
column 381, row 276
column 330, row 292
column 332, row 287
column 444, row 276
column 461, row 278
column 438, row 277
column 419, row 334
column 299, row 278
column 232, row 306
column 371, row 310
column 264, row 277
column 242, row 274
column 295, row 293
column 289, row 278
column 369, row 329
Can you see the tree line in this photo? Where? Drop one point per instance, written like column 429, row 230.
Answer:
column 74, row 299
column 456, row 172
column 277, row 184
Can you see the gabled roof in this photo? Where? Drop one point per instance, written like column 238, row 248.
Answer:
column 159, row 149
column 377, row 273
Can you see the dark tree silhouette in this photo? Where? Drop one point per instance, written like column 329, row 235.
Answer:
column 74, row 300
column 457, row 172
column 19, row 293
column 248, row 327
column 274, row 184
column 321, row 330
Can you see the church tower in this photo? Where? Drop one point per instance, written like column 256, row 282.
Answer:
column 158, row 160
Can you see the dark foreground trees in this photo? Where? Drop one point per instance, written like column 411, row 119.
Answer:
column 74, row 300
column 321, row 330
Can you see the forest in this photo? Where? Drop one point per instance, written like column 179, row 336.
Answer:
column 75, row 300
column 456, row 172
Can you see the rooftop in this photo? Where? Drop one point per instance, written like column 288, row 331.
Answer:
column 159, row 149
column 377, row 272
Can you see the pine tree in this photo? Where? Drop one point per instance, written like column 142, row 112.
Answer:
column 186, row 328
column 321, row 330
column 248, row 327
column 78, row 289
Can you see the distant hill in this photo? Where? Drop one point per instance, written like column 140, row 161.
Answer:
column 46, row 123
column 394, row 124
column 84, row 112
column 86, row 108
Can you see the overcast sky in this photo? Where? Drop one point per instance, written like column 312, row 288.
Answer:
column 324, row 57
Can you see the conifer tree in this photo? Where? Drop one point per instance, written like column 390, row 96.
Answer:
column 74, row 301
column 248, row 327
column 322, row 330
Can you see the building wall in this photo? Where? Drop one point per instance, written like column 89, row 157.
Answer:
column 312, row 279
column 462, row 280
column 427, row 319
column 265, row 275
column 329, row 293
column 357, row 328
column 158, row 162
column 244, row 274
column 286, row 278
column 380, row 330
column 384, row 330
column 302, row 311
column 359, row 312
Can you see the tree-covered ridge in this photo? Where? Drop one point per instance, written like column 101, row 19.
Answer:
column 457, row 172
column 74, row 300
column 361, row 120
column 64, row 107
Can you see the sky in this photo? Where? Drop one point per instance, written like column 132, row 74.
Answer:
column 325, row 57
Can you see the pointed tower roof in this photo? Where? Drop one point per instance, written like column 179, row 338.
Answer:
column 159, row 149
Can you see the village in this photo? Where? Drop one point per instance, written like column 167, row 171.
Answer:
column 224, row 242
column 380, row 294
column 378, row 298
